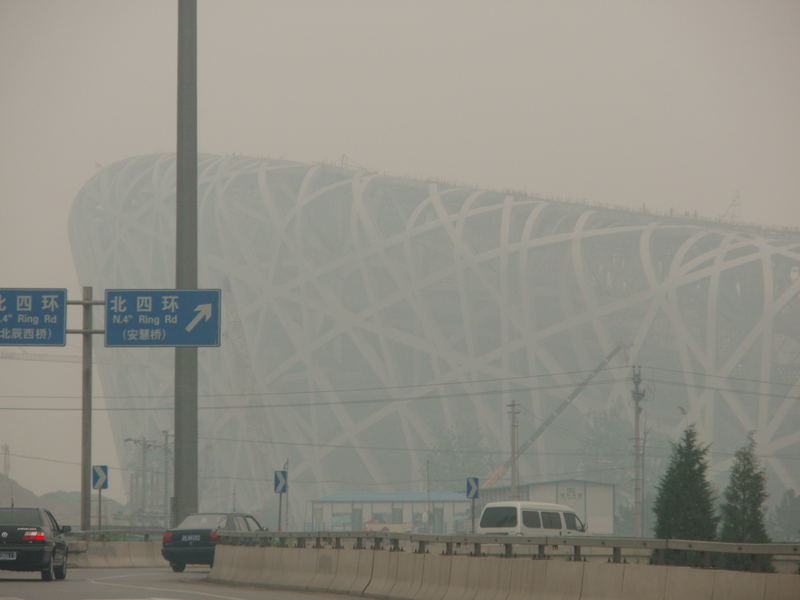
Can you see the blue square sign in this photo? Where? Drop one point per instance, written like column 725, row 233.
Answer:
column 33, row 317
column 162, row 318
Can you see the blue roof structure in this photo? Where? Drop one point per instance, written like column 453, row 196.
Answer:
column 393, row 497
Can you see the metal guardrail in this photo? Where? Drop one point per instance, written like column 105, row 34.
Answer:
column 508, row 544
column 505, row 545
column 108, row 535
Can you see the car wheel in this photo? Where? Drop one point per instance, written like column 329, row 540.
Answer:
column 178, row 567
column 48, row 573
column 61, row 572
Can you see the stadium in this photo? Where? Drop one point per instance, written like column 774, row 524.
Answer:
column 375, row 325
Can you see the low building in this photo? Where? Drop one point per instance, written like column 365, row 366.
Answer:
column 404, row 512
column 592, row 501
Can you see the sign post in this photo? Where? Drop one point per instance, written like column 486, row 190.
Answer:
column 100, row 482
column 473, row 487
column 281, row 487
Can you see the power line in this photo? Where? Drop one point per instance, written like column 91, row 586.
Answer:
column 296, row 405
column 319, row 392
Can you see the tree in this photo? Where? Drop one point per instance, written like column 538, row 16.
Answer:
column 785, row 521
column 743, row 509
column 684, row 507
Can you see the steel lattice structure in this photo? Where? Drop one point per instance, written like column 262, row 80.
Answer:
column 345, row 289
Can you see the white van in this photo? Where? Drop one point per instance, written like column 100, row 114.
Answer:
column 514, row 517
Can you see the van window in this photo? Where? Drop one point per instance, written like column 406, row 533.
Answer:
column 530, row 518
column 551, row 520
column 499, row 516
column 573, row 522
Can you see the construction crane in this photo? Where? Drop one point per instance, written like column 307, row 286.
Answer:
column 546, row 423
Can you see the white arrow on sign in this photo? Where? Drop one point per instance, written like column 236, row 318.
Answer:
column 203, row 312
column 100, row 477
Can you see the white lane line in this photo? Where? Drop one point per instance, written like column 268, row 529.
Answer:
column 103, row 581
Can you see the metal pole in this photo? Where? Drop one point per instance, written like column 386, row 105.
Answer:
column 86, row 412
column 186, row 470
column 637, row 395
column 166, row 479
column 514, row 452
column 280, row 511
column 473, row 515
column 99, row 509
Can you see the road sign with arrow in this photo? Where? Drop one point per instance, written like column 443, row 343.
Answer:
column 162, row 318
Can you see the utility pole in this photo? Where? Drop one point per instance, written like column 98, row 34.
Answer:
column 428, row 491
column 185, row 426
column 166, row 480
column 638, row 395
column 142, row 486
column 514, row 412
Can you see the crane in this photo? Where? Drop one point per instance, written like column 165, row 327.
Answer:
column 498, row 473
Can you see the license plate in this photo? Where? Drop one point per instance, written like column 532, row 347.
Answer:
column 191, row 538
column 8, row 556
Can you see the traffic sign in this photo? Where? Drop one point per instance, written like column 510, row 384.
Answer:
column 472, row 487
column 99, row 477
column 33, row 317
column 281, row 482
column 162, row 318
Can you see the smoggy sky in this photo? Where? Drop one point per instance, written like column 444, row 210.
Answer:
column 675, row 105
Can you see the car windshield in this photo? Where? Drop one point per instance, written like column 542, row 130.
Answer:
column 20, row 516
column 202, row 522
column 499, row 516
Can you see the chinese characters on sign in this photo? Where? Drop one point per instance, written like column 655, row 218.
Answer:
column 33, row 317
column 162, row 317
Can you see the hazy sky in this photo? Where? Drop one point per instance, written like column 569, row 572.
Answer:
column 677, row 104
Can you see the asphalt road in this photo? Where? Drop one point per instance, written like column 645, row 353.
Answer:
column 139, row 584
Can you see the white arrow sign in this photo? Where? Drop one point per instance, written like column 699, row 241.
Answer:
column 203, row 312
column 100, row 479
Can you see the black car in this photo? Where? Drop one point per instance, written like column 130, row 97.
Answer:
column 32, row 540
column 193, row 541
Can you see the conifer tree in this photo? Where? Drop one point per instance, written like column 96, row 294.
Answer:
column 743, row 509
column 684, row 507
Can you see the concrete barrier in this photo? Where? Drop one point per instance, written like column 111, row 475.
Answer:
column 274, row 568
column 435, row 577
column 325, row 571
column 384, row 574
column 409, row 575
column 688, row 582
column 780, row 586
column 528, row 578
column 493, row 582
column 644, row 582
column 300, row 564
column 463, row 578
column 563, row 580
column 363, row 572
column 602, row 581
column 346, row 568
column 732, row 585
column 224, row 563
column 146, row 554
column 249, row 564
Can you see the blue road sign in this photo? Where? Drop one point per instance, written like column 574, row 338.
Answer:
column 99, row 477
column 162, row 318
column 472, row 487
column 281, row 482
column 33, row 317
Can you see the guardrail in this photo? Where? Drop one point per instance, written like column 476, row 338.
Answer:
column 509, row 546
column 122, row 535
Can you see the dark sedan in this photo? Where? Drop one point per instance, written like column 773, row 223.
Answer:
column 32, row 540
column 193, row 541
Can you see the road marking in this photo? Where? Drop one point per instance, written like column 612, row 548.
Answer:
column 103, row 581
